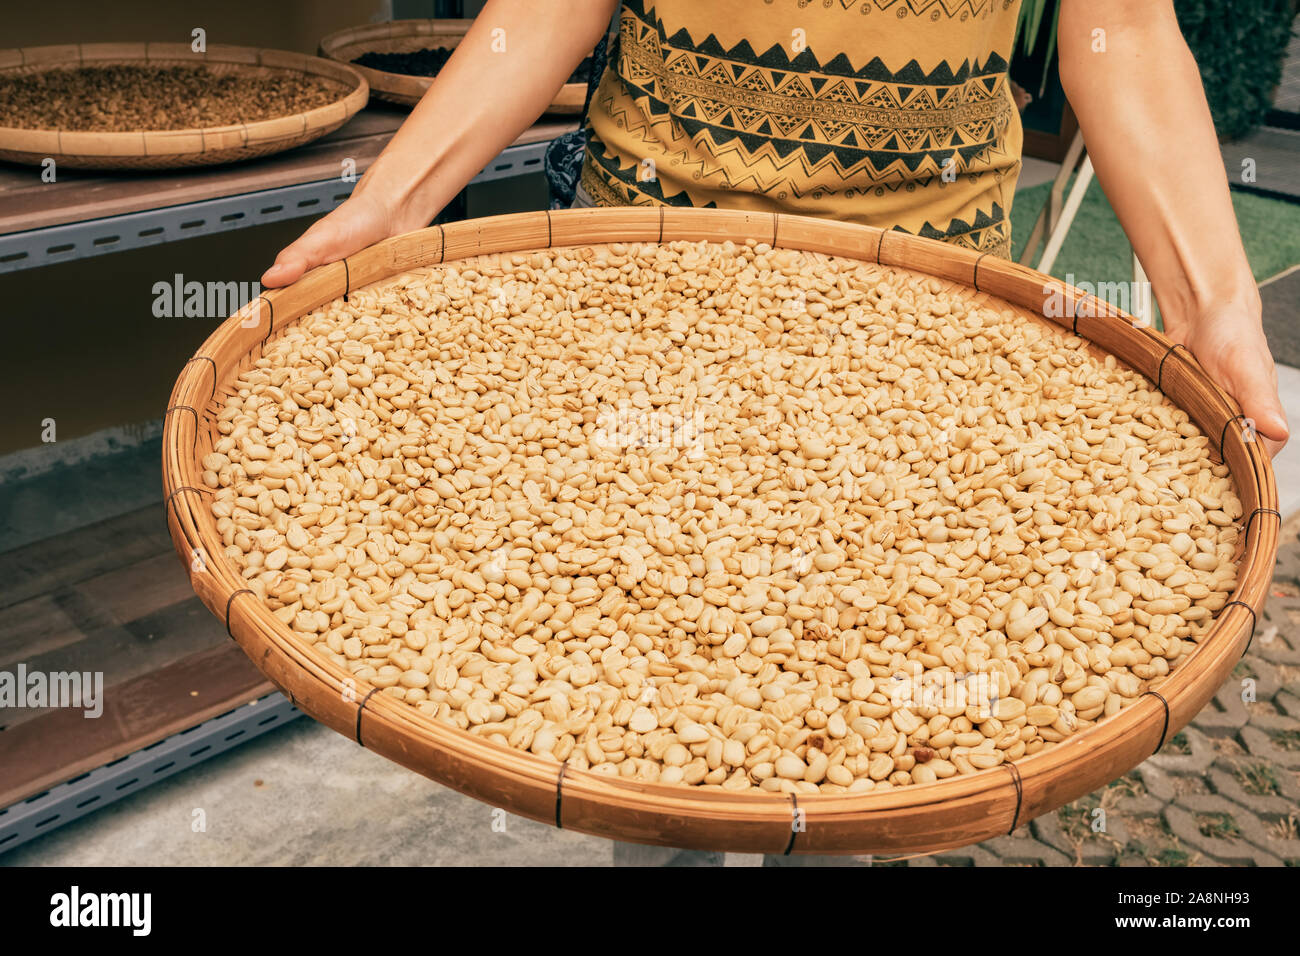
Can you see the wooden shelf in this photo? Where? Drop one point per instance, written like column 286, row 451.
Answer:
column 86, row 213
column 61, row 744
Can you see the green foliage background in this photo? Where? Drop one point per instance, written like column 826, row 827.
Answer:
column 1238, row 44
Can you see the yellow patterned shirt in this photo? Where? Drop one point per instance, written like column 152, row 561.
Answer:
column 892, row 113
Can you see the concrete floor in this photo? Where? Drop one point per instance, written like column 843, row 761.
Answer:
column 1035, row 171
column 1272, row 153
column 304, row 795
column 1286, row 465
column 1280, row 296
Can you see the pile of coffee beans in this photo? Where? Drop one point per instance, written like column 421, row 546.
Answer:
column 126, row 98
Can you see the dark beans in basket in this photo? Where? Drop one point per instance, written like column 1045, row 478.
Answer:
column 429, row 62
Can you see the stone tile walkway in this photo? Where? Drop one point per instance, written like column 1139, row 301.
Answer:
column 1223, row 792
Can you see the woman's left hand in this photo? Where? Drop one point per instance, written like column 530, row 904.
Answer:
column 1230, row 345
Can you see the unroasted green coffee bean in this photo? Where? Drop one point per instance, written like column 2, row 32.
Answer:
column 721, row 515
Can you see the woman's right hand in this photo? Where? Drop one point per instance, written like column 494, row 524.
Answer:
column 443, row 144
column 361, row 221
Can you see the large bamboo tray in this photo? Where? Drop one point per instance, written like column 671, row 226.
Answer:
column 949, row 813
column 176, row 148
column 408, row 36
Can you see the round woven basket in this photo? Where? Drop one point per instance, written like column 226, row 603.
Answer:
column 176, row 148
column 408, row 36
column 952, row 812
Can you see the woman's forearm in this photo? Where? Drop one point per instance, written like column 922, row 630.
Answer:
column 1149, row 133
column 482, row 100
column 1138, row 95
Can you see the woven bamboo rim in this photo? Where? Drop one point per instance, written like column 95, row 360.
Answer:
column 408, row 36
column 950, row 813
column 175, row 148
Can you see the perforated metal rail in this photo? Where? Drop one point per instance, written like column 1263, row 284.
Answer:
column 150, row 227
column 91, row 791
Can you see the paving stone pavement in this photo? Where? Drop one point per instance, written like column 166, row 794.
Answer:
column 1223, row 792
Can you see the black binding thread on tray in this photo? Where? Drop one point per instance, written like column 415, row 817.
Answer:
column 270, row 318
column 794, row 823
column 1077, row 306
column 548, row 229
column 1258, row 511
column 201, row 491
column 193, row 411
column 1250, row 639
column 559, row 796
column 213, row 363
column 347, row 279
column 975, row 277
column 1164, row 729
column 1223, row 435
column 1160, row 371
column 360, row 708
column 661, row 223
column 189, row 408
column 1020, row 796
column 229, row 601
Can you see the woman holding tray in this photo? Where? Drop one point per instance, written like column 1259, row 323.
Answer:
column 892, row 113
